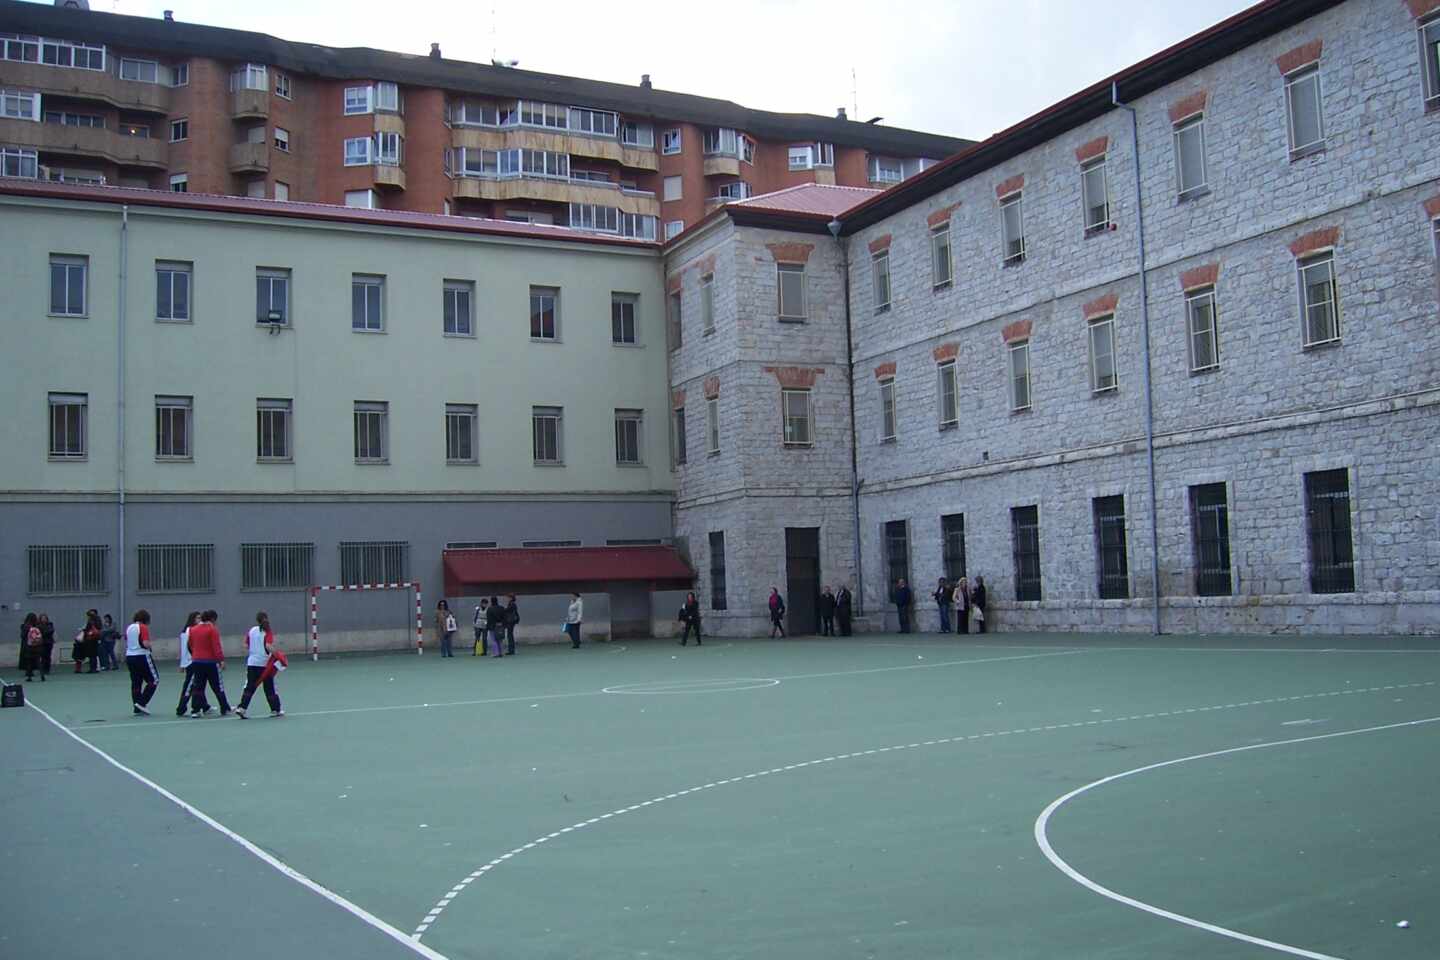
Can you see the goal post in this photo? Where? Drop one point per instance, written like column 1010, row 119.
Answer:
column 316, row 590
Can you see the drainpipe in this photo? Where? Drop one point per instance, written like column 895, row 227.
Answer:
column 122, row 613
column 1145, row 367
column 855, row 481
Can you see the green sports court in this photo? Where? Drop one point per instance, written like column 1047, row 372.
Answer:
column 1014, row 796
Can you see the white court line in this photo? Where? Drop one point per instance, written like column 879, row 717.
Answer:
column 1043, row 821
column 353, row 909
column 927, row 666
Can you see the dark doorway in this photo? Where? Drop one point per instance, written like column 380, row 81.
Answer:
column 802, row 578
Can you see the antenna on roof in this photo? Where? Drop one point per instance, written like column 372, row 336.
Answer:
column 854, row 93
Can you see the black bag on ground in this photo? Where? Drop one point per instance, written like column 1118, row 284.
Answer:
column 13, row 695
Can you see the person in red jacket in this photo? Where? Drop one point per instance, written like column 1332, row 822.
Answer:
column 209, row 660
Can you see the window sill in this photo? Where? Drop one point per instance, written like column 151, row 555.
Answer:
column 458, row 336
column 372, row 463
column 360, row 330
column 1307, row 151
column 267, row 325
column 792, row 319
column 632, row 466
column 280, row 460
column 462, row 463
column 949, row 424
column 1020, row 411
column 884, row 441
column 1322, row 344
column 159, row 459
column 545, row 340
column 1014, row 261
column 69, row 316
column 1111, row 391
column 68, row 458
column 1194, row 193
column 1201, row 371
column 547, row 463
column 1100, row 230
column 708, row 333
column 942, row 285
column 788, row 445
column 883, row 308
column 184, row 322
column 712, row 453
column 627, row 346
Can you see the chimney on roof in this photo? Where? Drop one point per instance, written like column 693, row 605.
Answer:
column 434, row 51
column 73, row 4
column 645, row 81
column 169, row 16
column 840, row 114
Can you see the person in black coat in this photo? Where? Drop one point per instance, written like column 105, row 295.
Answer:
column 776, row 604
column 844, row 603
column 512, row 620
column 690, row 616
column 827, row 613
column 944, row 596
column 903, row 597
column 977, row 602
column 494, row 623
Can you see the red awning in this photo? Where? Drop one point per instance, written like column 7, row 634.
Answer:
column 536, row 570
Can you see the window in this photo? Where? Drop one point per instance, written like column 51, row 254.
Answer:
column 675, row 319
column 880, row 280
column 795, row 408
column 601, row 123
column 800, row 158
column 897, row 552
column 282, row 190
column 1319, row 301
column 366, row 199
column 358, row 151
column 1020, row 376
column 173, row 425
column 594, row 216
column 57, row 571
column 551, row 544
column 707, row 303
column 712, row 425
column 886, row 170
column 1190, row 157
column 371, row 431
column 678, row 438
column 252, row 76
column 180, row 75
column 747, row 150
column 180, row 183
column 735, row 190
column 670, row 142
column 947, row 392
column 357, row 100
column 17, row 47
column 374, row 561
column 790, row 283
column 627, row 437
column 277, row 566
column 637, row 135
column 673, row 228
column 18, row 162
column 674, row 188
column 68, row 415
column 622, row 318
column 179, row 130
column 1430, row 59
column 641, row 226
column 1025, row 543
column 1210, row 526
column 1327, row 522
column 67, row 119
column 272, row 296
column 1203, row 335
column 272, row 430
column 717, row 570
column 952, row 546
column 282, row 85
column 65, row 53
column 461, row 420
column 387, row 97
column 19, row 106
column 719, row 140
column 471, row 544
column 546, row 423
column 68, row 285
column 1095, row 195
column 538, row 114
column 1012, row 229
column 544, row 313
column 942, row 269
column 1302, row 106
column 1102, row 354
column 172, row 291
column 390, row 149
column 145, row 71
column 367, row 297
column 887, row 409
column 456, row 297
column 176, row 567
column 1110, row 547
column 140, row 131
column 282, row 139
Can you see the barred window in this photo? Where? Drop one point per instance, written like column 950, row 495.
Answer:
column 1210, row 521
column 622, row 317
column 277, row 566
column 58, row 571
column 897, row 551
column 371, row 429
column 627, row 436
column 458, row 296
column 952, row 532
column 176, row 567
column 173, row 428
column 460, row 422
column 67, row 425
column 551, row 543
column 272, row 429
column 1110, row 547
column 1327, row 524
column 717, row 571
column 545, row 424
column 1025, row 542
column 374, row 561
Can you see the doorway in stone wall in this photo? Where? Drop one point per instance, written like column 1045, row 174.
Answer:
column 802, row 578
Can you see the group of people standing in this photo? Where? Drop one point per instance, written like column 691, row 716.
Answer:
column 494, row 627
column 94, row 644
column 960, row 598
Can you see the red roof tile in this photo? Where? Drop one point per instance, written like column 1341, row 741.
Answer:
column 562, row 569
column 818, row 198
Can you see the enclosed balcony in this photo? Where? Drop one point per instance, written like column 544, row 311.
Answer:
column 88, row 85
column 96, row 142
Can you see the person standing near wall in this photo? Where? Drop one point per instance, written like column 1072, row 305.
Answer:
column 690, row 616
column 512, row 620
column 259, row 643
column 962, row 606
column 903, row 597
column 108, row 636
column 495, row 625
column 209, row 656
column 827, row 612
column 47, row 644
column 944, row 596
column 30, row 646
column 444, row 630
column 144, row 679
column 573, row 618
column 87, row 643
column 844, row 607
column 187, row 667
column 777, row 612
column 977, row 601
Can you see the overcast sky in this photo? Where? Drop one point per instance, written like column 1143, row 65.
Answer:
column 965, row 68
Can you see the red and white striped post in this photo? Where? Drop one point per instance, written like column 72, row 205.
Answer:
column 408, row 584
column 419, row 622
column 315, row 623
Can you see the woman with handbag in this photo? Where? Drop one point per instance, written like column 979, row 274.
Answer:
column 977, row 600
column 962, row 606
column 445, row 628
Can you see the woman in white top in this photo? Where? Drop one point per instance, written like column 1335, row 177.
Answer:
column 573, row 618
column 257, row 653
column 143, row 676
column 187, row 685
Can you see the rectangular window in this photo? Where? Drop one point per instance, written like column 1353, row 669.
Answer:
column 19, row 162
column 717, row 570
column 734, row 190
column 897, row 552
column 282, row 85
column 1430, row 59
column 1203, row 334
column 282, row 190
column 673, row 188
column 68, row 285
column 546, row 423
column 67, row 53
column 622, row 317
column 673, row 228
column 69, row 413
column 389, row 149
column 179, row 130
column 947, row 392
column 357, row 100
column 358, row 151
column 65, row 118
column 942, row 268
column 1210, row 526
column 252, row 76
column 1102, row 354
column 719, row 141
column 282, row 139
column 1025, row 543
column 707, row 303
column 61, row 571
column 1319, row 300
column 144, row 71
column 801, row 158
column 712, row 425
column 176, row 567
column 457, row 296
column 795, row 408
column 180, row 75
column 180, row 183
column 372, row 428
column 1012, row 229
column 1114, row 583
column 362, row 199
column 790, row 282
column 1095, row 195
column 272, row 296
column 544, row 313
column 600, row 123
column 387, row 97
column 952, row 546
column 670, row 142
column 627, row 437
column 677, row 427
column 172, row 291
column 1302, row 104
column 637, row 135
column 887, row 409
column 1190, row 157
column 174, row 422
column 374, row 561
column 367, row 299
column 880, row 280
column 1019, row 376
column 461, row 420
column 886, row 170
column 15, row 105
column 674, row 316
column 552, row 544
column 277, row 566
column 272, row 430
column 1327, row 523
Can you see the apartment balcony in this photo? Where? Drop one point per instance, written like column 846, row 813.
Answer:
column 93, row 142
column 390, row 123
column 575, row 144
column 557, row 190
column 389, row 178
column 250, row 158
column 88, row 85
column 250, row 105
column 720, row 165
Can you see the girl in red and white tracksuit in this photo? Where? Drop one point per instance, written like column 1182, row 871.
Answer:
column 144, row 678
column 259, row 643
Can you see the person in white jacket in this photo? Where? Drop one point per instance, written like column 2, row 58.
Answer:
column 573, row 617
column 257, row 653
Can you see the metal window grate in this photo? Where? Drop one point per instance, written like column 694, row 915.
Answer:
column 471, row 544
column 277, row 566
column 176, row 568
column 1210, row 518
column 897, row 551
column 58, row 571
column 1110, row 547
column 1327, row 519
column 718, row 600
column 374, row 561
column 952, row 533
column 1025, row 541
column 550, row 543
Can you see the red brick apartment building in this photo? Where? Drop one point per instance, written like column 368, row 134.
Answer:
column 96, row 97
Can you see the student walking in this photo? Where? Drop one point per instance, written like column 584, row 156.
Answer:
column 445, row 628
column 573, row 618
column 962, row 606
column 209, row 660
column 512, row 620
column 777, row 612
column 827, row 612
column 144, row 678
column 903, row 597
column 844, row 605
column 108, row 636
column 187, row 667
column 977, row 600
column 944, row 597
column 690, row 616
column 495, row 624
column 258, row 646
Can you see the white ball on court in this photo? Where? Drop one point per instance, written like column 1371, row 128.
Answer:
column 1403, row 924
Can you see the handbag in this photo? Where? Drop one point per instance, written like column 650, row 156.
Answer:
column 450, row 624
column 979, row 613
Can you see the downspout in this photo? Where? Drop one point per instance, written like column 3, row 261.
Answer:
column 1145, row 366
column 120, row 410
column 855, row 481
